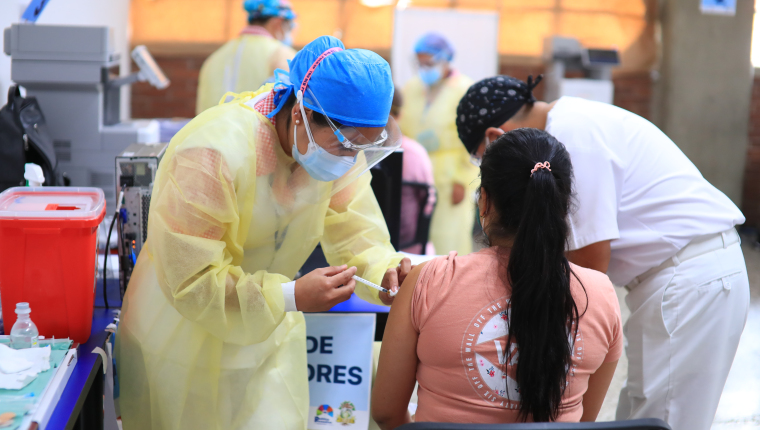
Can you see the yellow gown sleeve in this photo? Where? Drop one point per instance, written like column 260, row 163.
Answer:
column 196, row 244
column 356, row 234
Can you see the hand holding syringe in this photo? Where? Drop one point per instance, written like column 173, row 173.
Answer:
column 375, row 286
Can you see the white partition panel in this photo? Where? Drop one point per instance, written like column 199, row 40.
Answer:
column 474, row 35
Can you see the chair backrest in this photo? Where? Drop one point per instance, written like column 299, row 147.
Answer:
column 641, row 424
column 417, row 205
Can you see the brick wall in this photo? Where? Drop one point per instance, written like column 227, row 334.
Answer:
column 751, row 197
column 178, row 100
column 633, row 92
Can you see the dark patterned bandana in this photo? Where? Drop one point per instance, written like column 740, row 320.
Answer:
column 490, row 103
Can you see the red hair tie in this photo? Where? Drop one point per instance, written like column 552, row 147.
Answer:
column 544, row 165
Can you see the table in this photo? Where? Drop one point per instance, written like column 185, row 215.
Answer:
column 81, row 403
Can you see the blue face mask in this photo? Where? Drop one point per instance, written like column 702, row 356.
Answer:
column 288, row 39
column 430, row 75
column 320, row 164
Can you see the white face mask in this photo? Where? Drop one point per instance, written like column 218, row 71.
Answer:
column 318, row 163
column 431, row 75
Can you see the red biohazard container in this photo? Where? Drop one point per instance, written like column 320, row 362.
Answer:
column 48, row 254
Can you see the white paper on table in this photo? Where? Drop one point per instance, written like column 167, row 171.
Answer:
column 19, row 367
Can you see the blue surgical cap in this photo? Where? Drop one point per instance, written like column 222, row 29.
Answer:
column 353, row 87
column 436, row 45
column 261, row 9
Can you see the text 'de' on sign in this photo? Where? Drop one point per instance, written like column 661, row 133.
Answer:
column 339, row 353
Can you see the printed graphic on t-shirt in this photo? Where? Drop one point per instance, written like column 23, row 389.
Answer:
column 487, row 365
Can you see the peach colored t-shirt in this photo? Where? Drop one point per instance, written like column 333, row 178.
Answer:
column 459, row 309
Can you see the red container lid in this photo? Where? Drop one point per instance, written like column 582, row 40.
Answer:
column 48, row 203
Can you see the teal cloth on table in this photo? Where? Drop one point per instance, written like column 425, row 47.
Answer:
column 20, row 402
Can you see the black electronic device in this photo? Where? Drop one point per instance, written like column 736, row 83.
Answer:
column 386, row 184
column 600, row 57
column 136, row 170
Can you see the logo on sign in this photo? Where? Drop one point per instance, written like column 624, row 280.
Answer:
column 324, row 415
column 346, row 415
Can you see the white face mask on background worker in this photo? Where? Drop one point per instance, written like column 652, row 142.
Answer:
column 431, row 69
column 433, row 57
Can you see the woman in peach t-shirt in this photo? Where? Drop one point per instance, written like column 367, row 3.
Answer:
column 513, row 332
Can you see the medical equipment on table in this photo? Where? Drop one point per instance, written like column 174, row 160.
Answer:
column 56, row 227
column 24, row 333
column 35, row 402
column 73, row 71
column 136, row 170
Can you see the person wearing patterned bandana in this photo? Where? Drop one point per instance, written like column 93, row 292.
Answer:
column 647, row 218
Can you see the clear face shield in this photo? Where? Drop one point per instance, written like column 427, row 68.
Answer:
column 341, row 153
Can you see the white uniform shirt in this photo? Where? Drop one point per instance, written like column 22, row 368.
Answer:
column 635, row 187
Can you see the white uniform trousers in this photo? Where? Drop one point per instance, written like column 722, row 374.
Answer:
column 687, row 316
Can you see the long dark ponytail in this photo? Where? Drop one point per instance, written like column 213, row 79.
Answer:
column 532, row 210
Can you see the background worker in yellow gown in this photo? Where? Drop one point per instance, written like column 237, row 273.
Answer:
column 211, row 336
column 246, row 62
column 429, row 117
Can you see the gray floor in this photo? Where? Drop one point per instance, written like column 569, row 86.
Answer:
column 739, row 407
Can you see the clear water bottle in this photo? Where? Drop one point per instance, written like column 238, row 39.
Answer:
column 24, row 333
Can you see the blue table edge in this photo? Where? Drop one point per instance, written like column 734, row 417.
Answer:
column 88, row 366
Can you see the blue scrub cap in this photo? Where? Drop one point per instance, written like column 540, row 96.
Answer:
column 260, row 9
column 436, row 45
column 354, row 87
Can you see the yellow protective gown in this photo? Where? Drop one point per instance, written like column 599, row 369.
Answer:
column 204, row 341
column 242, row 64
column 434, row 126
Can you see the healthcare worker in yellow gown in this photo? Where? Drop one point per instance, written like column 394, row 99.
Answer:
column 211, row 336
column 429, row 116
column 248, row 61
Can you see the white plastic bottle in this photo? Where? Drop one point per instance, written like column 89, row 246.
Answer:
column 24, row 333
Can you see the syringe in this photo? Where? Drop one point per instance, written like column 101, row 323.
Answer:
column 375, row 286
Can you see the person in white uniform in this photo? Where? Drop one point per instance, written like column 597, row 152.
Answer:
column 647, row 218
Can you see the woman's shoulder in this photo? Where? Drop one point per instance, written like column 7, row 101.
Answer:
column 445, row 281
column 590, row 274
column 440, row 271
